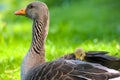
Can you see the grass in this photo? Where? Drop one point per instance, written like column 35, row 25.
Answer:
column 92, row 25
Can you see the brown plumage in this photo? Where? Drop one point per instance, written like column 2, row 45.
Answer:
column 34, row 66
column 70, row 70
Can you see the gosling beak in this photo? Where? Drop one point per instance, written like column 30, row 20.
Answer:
column 20, row 12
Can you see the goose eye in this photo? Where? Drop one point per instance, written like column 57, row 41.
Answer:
column 31, row 6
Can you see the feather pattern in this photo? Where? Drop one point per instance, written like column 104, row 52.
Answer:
column 71, row 70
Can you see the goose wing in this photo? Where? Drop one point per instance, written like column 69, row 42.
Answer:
column 71, row 70
column 100, row 57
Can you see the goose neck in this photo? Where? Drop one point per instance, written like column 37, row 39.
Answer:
column 38, row 36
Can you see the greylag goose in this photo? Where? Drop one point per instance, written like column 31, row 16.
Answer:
column 34, row 66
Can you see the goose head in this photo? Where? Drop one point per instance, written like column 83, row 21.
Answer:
column 35, row 10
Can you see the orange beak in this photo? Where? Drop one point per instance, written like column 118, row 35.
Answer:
column 20, row 12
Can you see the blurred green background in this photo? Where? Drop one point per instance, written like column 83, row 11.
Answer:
column 89, row 24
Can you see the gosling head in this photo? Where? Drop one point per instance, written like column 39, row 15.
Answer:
column 80, row 53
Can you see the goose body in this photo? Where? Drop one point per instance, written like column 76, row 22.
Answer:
column 71, row 70
column 34, row 66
